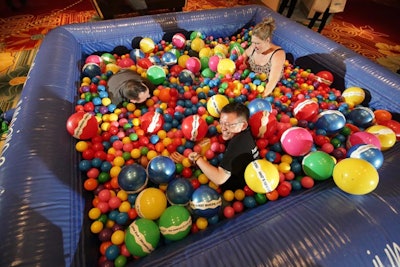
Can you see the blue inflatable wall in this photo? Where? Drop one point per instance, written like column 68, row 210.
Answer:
column 42, row 201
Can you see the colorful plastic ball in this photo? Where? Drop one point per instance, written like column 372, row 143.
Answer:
column 179, row 191
column 318, row 165
column 205, row 201
column 156, row 75
column 161, row 170
column 332, row 121
column 363, row 138
column 394, row 125
column 362, row 117
column 132, row 178
column 151, row 203
column 215, row 104
column 82, row 125
column 197, row 44
column 306, row 109
column 147, row 45
column 263, row 124
column 368, row 152
column 108, row 58
column 261, row 176
column 194, row 127
column 142, row 237
column 213, row 62
column 386, row 136
column 152, row 122
column 136, row 54
column 324, row 77
column 259, row 104
column 355, row 176
column 186, row 76
column 91, row 70
column 175, row 223
column 126, row 62
column 169, row 58
column 226, row 66
column 193, row 64
column 353, row 96
column 297, row 141
column 179, row 40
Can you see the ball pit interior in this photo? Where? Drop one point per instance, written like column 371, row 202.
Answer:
column 43, row 206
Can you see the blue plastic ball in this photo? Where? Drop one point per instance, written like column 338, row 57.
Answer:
column 362, row 117
column 136, row 54
column 161, row 170
column 179, row 191
column 205, row 201
column 132, row 178
column 169, row 58
column 368, row 152
column 186, row 76
column 91, row 70
column 112, row 252
column 332, row 121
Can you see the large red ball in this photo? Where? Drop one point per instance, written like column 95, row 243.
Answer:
column 324, row 77
column 82, row 125
column 263, row 124
column 152, row 122
column 194, row 127
column 306, row 109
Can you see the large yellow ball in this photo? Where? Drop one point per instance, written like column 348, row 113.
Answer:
column 182, row 60
column 151, row 203
column 386, row 136
column 353, row 96
column 147, row 45
column 215, row 105
column 197, row 44
column 226, row 66
column 261, row 176
column 355, row 176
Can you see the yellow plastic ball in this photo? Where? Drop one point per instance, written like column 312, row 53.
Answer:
column 118, row 237
column 112, row 67
column 114, row 117
column 203, row 179
column 136, row 122
column 151, row 203
column 105, row 126
column 182, row 60
column 186, row 162
column 205, row 52
column 147, row 45
column 125, row 206
column 123, row 195
column 94, row 213
column 284, row 167
column 114, row 171
column 119, row 161
column 353, row 96
column 239, row 194
column 96, row 227
column 81, row 146
column 386, row 136
column 197, row 44
column 226, row 66
column 105, row 101
column 215, row 105
column 201, row 223
column 262, row 176
column 151, row 154
column 229, row 195
column 135, row 153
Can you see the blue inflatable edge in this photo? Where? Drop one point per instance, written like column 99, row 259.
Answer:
column 43, row 204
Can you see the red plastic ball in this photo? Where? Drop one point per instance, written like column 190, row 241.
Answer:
column 82, row 125
column 263, row 124
column 152, row 122
column 194, row 127
column 229, row 212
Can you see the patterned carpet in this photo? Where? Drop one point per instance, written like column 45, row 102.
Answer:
column 21, row 34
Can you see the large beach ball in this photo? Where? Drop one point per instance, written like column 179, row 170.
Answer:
column 193, row 64
column 213, row 62
column 82, row 125
column 363, row 138
column 259, row 104
column 175, row 223
column 306, row 109
column 261, row 176
column 297, row 141
column 186, row 76
column 226, row 66
column 353, row 96
column 205, row 201
column 169, row 58
column 142, row 237
column 91, row 70
column 215, row 105
column 362, row 117
column 156, row 75
column 370, row 153
column 355, row 176
column 179, row 40
column 263, row 124
column 132, row 178
column 108, row 58
column 179, row 191
column 151, row 203
column 325, row 77
column 332, row 121
column 147, row 45
column 318, row 165
column 197, row 44
column 152, row 122
column 194, row 127
column 136, row 54
column 161, row 169
column 386, row 136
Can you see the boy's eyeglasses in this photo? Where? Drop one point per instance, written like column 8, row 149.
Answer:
column 229, row 125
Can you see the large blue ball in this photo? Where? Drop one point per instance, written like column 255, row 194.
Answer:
column 332, row 121
column 186, row 76
column 132, row 178
column 179, row 191
column 362, row 117
column 368, row 152
column 161, row 170
column 169, row 58
column 205, row 201
column 259, row 104
column 91, row 70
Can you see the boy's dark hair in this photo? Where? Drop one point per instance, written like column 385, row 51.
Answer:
column 240, row 109
column 132, row 88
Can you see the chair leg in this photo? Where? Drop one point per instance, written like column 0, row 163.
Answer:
column 325, row 17
column 314, row 19
column 292, row 6
column 283, row 6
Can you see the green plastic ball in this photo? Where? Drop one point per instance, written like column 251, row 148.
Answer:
column 142, row 237
column 175, row 223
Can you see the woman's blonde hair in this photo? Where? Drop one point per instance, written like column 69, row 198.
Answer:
column 264, row 29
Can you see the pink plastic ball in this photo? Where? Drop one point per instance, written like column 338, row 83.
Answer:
column 193, row 64
column 363, row 138
column 213, row 63
column 297, row 141
column 179, row 40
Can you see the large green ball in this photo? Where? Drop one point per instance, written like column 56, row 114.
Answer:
column 142, row 237
column 175, row 223
column 318, row 165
